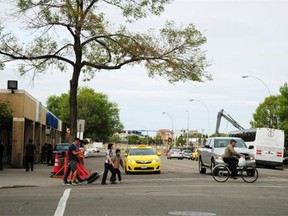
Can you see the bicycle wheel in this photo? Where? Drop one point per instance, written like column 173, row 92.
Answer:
column 220, row 173
column 249, row 174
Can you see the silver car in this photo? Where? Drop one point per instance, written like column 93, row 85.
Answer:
column 211, row 154
column 187, row 154
column 175, row 153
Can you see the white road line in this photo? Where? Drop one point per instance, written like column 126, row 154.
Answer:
column 62, row 203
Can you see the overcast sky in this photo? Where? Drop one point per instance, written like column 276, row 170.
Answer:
column 243, row 38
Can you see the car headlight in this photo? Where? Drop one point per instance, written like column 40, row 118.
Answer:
column 131, row 161
column 252, row 158
column 155, row 161
column 218, row 157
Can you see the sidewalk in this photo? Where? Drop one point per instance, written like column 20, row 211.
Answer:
column 10, row 177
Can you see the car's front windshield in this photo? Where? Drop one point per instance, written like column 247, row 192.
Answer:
column 144, row 151
column 222, row 143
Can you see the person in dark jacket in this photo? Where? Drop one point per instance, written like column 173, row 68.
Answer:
column 44, row 153
column 30, row 154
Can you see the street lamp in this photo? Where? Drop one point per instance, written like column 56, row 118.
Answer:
column 245, row 76
column 172, row 133
column 208, row 131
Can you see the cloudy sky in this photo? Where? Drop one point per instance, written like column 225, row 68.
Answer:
column 243, row 38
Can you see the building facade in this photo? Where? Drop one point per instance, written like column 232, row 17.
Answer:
column 31, row 120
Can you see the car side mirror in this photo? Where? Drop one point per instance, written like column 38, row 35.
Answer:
column 159, row 153
column 125, row 155
column 251, row 147
column 208, row 146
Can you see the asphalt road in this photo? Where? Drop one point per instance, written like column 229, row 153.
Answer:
column 178, row 190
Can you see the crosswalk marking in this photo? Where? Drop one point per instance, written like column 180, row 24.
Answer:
column 62, row 203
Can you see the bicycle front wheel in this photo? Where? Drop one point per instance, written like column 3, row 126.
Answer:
column 249, row 174
column 220, row 173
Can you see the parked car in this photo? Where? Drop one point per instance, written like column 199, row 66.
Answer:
column 195, row 154
column 142, row 159
column 60, row 149
column 175, row 153
column 187, row 154
column 211, row 154
column 91, row 152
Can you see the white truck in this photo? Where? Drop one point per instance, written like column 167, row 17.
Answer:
column 268, row 144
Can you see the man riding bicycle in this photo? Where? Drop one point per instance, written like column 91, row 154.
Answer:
column 230, row 159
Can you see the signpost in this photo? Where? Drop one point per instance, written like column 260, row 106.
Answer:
column 80, row 128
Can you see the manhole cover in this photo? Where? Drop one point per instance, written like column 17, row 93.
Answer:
column 191, row 213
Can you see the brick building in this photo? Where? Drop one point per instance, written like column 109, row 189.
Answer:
column 31, row 120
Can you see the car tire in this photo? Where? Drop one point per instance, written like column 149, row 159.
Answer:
column 202, row 169
column 126, row 171
column 212, row 165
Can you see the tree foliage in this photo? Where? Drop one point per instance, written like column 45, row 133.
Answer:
column 283, row 111
column 101, row 116
column 266, row 114
column 283, row 107
column 77, row 35
column 181, row 140
column 5, row 115
column 273, row 112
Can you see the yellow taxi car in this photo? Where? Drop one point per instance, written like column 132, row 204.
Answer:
column 142, row 159
column 195, row 154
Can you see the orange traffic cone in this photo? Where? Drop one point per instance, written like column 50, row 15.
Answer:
column 56, row 165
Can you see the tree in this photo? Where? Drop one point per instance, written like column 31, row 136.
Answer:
column 181, row 140
column 134, row 139
column 77, row 35
column 158, row 139
column 115, row 138
column 273, row 112
column 283, row 110
column 283, row 107
column 266, row 114
column 101, row 116
column 5, row 120
column 5, row 115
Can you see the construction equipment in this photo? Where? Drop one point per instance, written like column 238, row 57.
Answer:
column 229, row 119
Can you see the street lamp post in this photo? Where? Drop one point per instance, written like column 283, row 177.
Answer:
column 208, row 130
column 187, row 141
column 172, row 132
column 269, row 92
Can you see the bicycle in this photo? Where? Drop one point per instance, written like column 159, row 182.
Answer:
column 221, row 173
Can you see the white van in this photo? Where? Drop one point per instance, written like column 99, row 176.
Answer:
column 268, row 144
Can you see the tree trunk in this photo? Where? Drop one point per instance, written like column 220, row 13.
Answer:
column 74, row 83
column 73, row 102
